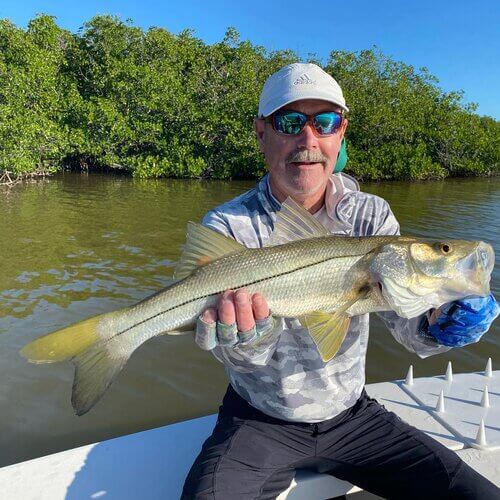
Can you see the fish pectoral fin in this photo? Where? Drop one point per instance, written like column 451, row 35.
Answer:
column 327, row 330
column 203, row 245
column 183, row 330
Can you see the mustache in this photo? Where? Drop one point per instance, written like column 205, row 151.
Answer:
column 307, row 156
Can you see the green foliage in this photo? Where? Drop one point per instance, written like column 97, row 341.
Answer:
column 403, row 126
column 31, row 95
column 114, row 96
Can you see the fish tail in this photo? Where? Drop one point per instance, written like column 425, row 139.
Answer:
column 99, row 347
column 96, row 369
column 65, row 343
column 95, row 348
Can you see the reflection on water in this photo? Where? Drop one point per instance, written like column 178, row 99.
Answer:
column 80, row 245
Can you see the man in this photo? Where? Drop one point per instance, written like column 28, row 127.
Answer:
column 285, row 408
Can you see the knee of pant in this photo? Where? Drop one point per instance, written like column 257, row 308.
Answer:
column 198, row 485
column 468, row 484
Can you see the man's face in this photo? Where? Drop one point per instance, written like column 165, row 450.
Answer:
column 299, row 165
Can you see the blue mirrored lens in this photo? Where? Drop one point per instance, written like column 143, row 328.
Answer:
column 289, row 123
column 292, row 122
column 327, row 123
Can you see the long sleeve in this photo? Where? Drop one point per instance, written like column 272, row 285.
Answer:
column 250, row 356
column 247, row 358
column 411, row 333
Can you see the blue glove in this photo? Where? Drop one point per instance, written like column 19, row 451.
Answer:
column 465, row 321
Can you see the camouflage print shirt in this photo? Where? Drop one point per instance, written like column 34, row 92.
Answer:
column 284, row 375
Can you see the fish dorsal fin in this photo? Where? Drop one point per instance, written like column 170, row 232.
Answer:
column 202, row 246
column 294, row 222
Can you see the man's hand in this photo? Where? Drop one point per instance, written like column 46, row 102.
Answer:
column 238, row 319
column 464, row 321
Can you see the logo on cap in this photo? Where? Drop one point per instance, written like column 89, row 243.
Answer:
column 304, row 79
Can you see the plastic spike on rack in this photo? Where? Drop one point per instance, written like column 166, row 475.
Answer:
column 485, row 399
column 440, row 403
column 481, row 435
column 409, row 376
column 449, row 372
column 488, row 372
column 460, row 402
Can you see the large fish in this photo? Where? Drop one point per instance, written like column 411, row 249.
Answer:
column 304, row 272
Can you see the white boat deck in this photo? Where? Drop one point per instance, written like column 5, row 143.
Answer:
column 153, row 464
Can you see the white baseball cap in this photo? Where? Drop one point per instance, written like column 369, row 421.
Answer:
column 299, row 81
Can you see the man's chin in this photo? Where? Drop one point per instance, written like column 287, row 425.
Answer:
column 301, row 191
column 299, row 184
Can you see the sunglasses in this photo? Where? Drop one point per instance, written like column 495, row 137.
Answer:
column 293, row 122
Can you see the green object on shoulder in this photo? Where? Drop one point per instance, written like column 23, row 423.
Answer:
column 341, row 158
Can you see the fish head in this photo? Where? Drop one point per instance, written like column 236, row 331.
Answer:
column 464, row 267
column 416, row 276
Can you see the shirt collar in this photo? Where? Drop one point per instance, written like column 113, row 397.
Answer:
column 338, row 185
column 266, row 197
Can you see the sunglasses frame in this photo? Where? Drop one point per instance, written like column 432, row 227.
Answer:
column 309, row 119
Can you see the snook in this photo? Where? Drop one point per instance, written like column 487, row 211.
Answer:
column 305, row 272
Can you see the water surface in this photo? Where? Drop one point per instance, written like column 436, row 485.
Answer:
column 77, row 245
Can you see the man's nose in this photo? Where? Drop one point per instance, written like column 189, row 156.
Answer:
column 307, row 138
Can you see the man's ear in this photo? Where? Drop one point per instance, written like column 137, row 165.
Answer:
column 259, row 126
column 343, row 127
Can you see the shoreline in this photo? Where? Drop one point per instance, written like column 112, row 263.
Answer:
column 10, row 178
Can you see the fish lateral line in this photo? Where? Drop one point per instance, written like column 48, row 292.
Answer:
column 220, row 291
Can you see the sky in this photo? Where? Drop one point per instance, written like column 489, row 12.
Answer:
column 458, row 41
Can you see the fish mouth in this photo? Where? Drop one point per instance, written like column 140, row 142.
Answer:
column 477, row 268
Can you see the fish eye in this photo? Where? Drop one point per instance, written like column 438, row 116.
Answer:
column 445, row 248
